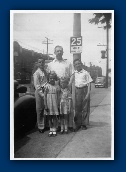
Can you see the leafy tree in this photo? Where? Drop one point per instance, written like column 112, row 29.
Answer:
column 102, row 18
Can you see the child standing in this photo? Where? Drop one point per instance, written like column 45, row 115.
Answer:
column 51, row 102
column 81, row 80
column 65, row 105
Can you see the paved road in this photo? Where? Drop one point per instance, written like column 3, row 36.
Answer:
column 95, row 142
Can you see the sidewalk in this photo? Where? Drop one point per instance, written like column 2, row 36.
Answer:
column 95, row 142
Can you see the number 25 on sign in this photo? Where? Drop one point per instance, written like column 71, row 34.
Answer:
column 76, row 41
column 76, row 44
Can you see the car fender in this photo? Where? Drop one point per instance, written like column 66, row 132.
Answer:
column 25, row 112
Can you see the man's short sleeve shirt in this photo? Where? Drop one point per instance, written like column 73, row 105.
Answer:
column 62, row 68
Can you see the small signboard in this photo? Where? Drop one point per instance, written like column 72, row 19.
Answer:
column 76, row 45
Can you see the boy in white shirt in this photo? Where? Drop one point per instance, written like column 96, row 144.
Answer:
column 81, row 95
column 39, row 79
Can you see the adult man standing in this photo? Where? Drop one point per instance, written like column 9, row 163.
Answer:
column 39, row 78
column 62, row 68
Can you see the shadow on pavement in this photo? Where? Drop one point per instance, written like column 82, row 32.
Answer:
column 97, row 124
column 22, row 139
column 100, row 105
column 21, row 142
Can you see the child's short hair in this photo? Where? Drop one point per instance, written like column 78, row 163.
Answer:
column 77, row 60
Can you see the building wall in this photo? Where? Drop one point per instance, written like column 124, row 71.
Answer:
column 24, row 61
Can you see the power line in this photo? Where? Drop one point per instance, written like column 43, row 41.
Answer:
column 47, row 42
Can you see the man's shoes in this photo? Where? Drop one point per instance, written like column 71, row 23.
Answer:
column 41, row 130
column 83, row 127
column 58, row 129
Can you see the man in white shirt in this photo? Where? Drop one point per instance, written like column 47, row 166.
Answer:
column 39, row 81
column 81, row 95
column 62, row 68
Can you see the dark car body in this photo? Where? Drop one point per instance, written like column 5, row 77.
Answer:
column 25, row 116
column 100, row 81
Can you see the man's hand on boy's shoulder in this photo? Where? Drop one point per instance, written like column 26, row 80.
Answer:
column 41, row 94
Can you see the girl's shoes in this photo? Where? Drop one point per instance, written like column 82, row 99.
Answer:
column 61, row 132
column 66, row 131
column 50, row 134
column 54, row 133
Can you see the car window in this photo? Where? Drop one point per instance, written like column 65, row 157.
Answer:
column 101, row 79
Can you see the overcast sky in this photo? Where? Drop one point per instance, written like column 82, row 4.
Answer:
column 31, row 28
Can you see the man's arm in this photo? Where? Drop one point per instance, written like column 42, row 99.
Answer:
column 72, row 78
column 45, row 98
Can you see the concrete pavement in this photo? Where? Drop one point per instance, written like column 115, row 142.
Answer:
column 95, row 142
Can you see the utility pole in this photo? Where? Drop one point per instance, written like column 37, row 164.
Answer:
column 107, row 51
column 76, row 34
column 107, row 60
column 77, row 31
column 47, row 43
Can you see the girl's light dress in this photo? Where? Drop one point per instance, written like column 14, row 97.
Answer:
column 52, row 99
column 65, row 102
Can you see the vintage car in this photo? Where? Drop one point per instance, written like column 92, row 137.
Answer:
column 100, row 81
column 25, row 116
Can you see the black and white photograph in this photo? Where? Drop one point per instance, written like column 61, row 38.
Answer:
column 61, row 84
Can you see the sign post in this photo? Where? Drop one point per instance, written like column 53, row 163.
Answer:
column 76, row 45
column 77, row 33
column 76, row 49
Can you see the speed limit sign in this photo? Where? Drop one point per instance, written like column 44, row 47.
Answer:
column 76, row 45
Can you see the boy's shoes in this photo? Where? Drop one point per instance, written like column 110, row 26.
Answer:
column 50, row 134
column 41, row 131
column 83, row 127
column 76, row 129
column 54, row 133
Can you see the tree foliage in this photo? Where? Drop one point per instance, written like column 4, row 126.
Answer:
column 102, row 18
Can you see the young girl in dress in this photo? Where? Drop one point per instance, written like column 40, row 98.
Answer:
column 65, row 105
column 51, row 102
